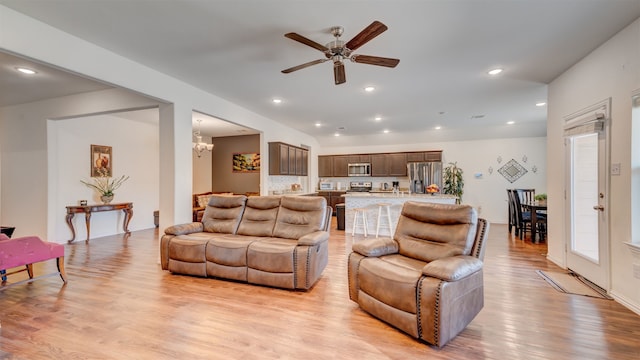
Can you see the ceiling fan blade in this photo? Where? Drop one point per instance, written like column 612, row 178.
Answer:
column 376, row 28
column 302, row 66
column 301, row 39
column 338, row 73
column 375, row 60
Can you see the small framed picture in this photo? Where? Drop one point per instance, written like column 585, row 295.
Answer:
column 101, row 161
column 246, row 162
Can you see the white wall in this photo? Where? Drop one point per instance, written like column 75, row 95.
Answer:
column 134, row 153
column 612, row 70
column 25, row 36
column 202, row 174
column 30, row 161
column 488, row 192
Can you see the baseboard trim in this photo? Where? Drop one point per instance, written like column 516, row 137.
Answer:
column 625, row 302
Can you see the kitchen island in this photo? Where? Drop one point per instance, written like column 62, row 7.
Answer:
column 370, row 202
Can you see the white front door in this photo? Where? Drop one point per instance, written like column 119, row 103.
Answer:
column 586, row 202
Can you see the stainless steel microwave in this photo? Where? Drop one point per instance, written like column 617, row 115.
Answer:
column 360, row 169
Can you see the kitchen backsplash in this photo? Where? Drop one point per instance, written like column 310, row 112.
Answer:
column 377, row 183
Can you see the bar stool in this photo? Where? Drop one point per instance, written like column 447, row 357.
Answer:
column 359, row 219
column 387, row 208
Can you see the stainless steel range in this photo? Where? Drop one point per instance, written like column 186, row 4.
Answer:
column 359, row 186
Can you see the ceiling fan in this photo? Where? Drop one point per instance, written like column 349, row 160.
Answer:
column 338, row 51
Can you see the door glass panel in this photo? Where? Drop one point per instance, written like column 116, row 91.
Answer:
column 584, row 188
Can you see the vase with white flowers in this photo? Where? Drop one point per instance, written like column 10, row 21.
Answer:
column 106, row 186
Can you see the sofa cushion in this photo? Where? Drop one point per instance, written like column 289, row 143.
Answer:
column 188, row 248
column 229, row 250
column 427, row 231
column 300, row 215
column 259, row 216
column 272, row 255
column 223, row 213
column 391, row 279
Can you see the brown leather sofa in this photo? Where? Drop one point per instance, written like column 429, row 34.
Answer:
column 279, row 241
column 427, row 280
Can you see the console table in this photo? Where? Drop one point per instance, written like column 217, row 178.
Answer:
column 127, row 208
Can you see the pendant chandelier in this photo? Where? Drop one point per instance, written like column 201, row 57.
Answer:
column 200, row 146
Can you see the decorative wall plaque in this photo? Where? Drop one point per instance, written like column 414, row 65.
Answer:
column 512, row 170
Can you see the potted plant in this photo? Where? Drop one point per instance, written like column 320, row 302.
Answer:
column 106, row 186
column 541, row 198
column 453, row 181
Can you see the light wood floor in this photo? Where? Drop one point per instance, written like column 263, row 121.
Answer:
column 119, row 304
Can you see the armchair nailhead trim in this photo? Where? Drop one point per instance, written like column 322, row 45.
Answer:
column 418, row 312
column 308, row 271
column 436, row 311
column 481, row 238
column 295, row 267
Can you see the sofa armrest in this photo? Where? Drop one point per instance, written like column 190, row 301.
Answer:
column 376, row 247
column 452, row 268
column 183, row 229
column 314, row 238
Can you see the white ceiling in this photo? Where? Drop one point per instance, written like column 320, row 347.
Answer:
column 236, row 49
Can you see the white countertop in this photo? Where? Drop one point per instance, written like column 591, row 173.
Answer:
column 387, row 195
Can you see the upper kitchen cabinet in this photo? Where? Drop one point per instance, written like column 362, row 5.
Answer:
column 421, row 156
column 397, row 164
column 325, row 166
column 379, row 165
column 394, row 164
column 285, row 159
column 341, row 165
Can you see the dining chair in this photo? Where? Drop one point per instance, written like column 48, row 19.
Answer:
column 522, row 218
column 511, row 213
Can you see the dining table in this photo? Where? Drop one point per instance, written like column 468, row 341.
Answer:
column 536, row 208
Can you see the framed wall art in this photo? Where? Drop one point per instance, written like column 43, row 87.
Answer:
column 246, row 162
column 101, row 161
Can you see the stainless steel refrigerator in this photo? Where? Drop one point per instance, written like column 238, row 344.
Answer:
column 423, row 174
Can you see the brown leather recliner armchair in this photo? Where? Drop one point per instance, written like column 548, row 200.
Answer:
column 427, row 280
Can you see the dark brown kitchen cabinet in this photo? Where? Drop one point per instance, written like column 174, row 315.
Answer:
column 336, row 198
column 285, row 159
column 325, row 166
column 304, row 165
column 333, row 198
column 415, row 156
column 433, row 155
column 340, row 165
column 420, row 156
column 379, row 165
column 397, row 164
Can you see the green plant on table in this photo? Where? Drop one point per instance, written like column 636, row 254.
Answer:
column 540, row 197
column 453, row 181
column 106, row 185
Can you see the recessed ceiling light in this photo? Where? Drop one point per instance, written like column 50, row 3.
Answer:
column 511, row 122
column 336, row 134
column 369, row 88
column 318, row 124
column 541, row 104
column 26, row 70
column 378, row 118
column 276, row 101
column 495, row 71
column 438, row 127
column 385, row 131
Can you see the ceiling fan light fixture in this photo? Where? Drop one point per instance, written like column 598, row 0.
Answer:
column 338, row 50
